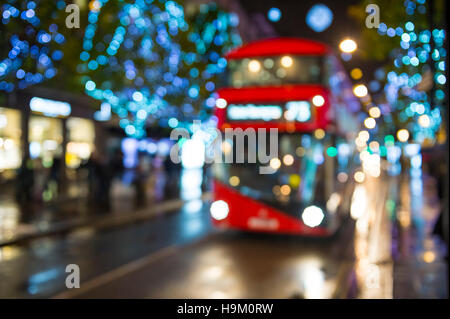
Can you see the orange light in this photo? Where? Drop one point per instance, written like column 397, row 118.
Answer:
column 356, row 73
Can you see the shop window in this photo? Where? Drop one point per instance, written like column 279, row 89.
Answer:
column 81, row 137
column 46, row 137
column 10, row 143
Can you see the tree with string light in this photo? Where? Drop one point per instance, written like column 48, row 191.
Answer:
column 30, row 44
column 212, row 33
column 413, row 52
column 411, row 43
column 145, row 60
column 131, row 57
column 149, row 62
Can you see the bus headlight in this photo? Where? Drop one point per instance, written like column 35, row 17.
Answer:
column 318, row 100
column 219, row 210
column 312, row 216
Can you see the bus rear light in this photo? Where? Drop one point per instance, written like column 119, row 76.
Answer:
column 219, row 210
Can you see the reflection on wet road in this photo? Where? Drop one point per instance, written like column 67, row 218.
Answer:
column 229, row 265
column 38, row 270
column 176, row 255
column 373, row 264
column 179, row 254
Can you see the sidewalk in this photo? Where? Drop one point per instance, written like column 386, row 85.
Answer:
column 396, row 255
column 372, row 242
column 420, row 268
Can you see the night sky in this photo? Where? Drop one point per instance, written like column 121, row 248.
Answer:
column 294, row 13
column 293, row 23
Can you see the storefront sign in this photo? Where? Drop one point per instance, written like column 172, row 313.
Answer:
column 254, row 112
column 50, row 108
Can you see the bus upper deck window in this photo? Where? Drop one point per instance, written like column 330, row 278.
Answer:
column 274, row 71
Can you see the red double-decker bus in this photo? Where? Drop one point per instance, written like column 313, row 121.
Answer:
column 298, row 87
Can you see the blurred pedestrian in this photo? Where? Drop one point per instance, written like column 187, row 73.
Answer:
column 99, row 180
column 172, row 172
column 25, row 182
column 438, row 170
column 53, row 183
column 139, row 183
column 116, row 164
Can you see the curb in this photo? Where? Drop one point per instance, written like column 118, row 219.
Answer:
column 102, row 222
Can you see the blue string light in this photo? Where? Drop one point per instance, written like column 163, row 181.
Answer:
column 168, row 74
column 31, row 55
column 412, row 64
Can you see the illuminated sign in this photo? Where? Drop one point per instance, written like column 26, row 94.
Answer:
column 299, row 111
column 254, row 112
column 50, row 107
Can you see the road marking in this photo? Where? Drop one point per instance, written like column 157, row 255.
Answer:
column 117, row 273
column 128, row 268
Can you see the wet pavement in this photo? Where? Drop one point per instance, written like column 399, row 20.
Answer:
column 178, row 254
column 420, row 270
column 73, row 208
column 230, row 265
column 38, row 269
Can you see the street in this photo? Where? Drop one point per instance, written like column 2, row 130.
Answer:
column 178, row 254
column 228, row 265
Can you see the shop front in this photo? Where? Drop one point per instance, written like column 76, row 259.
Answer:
column 10, row 142
column 45, row 138
column 80, row 141
column 54, row 132
column 59, row 130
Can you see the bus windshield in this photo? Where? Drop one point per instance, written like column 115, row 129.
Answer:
column 275, row 71
column 298, row 181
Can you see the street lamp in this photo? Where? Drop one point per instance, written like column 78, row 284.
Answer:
column 375, row 112
column 424, row 121
column 403, row 135
column 360, row 90
column 370, row 123
column 348, row 46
